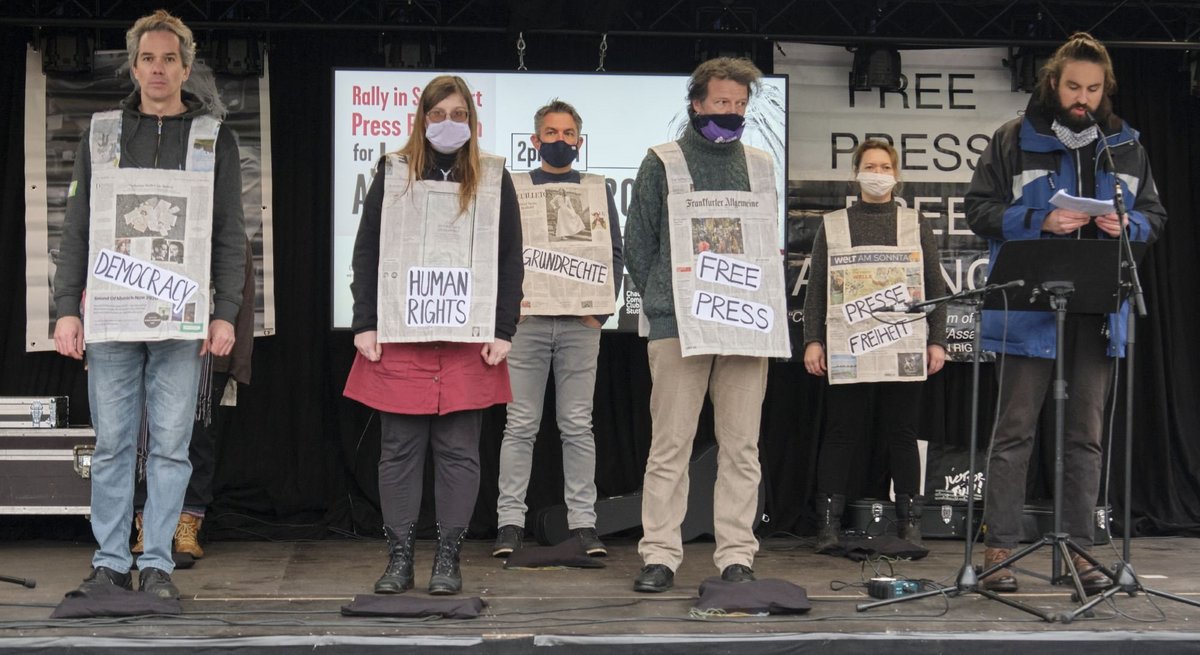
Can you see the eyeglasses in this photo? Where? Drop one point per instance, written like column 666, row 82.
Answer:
column 459, row 115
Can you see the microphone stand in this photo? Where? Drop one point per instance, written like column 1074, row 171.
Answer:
column 967, row 580
column 1125, row 578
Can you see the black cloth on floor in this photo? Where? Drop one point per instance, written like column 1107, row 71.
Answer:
column 113, row 601
column 864, row 548
column 769, row 596
column 412, row 606
column 569, row 554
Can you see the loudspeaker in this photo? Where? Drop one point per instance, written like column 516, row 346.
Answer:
column 618, row 513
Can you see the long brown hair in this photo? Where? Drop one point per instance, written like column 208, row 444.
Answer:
column 1081, row 46
column 416, row 151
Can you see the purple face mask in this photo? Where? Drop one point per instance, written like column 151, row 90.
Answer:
column 447, row 136
column 720, row 128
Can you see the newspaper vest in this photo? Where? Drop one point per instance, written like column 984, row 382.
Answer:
column 150, row 239
column 437, row 264
column 726, row 267
column 567, row 247
column 864, row 344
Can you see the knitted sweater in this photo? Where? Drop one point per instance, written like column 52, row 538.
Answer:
column 714, row 167
column 871, row 224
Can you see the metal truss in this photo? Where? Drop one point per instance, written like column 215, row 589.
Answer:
column 1131, row 23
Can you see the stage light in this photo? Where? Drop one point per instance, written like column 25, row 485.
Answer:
column 876, row 68
column 66, row 52
column 236, row 55
column 1025, row 64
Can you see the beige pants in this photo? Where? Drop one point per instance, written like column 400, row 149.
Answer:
column 736, row 386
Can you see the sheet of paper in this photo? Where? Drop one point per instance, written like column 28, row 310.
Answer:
column 1089, row 206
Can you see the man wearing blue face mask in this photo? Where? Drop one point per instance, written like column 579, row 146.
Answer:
column 573, row 268
column 678, row 186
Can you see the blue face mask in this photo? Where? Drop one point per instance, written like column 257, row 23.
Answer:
column 558, row 154
column 720, row 128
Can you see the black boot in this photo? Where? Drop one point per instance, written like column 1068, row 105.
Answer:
column 398, row 577
column 908, row 518
column 446, row 579
column 829, row 518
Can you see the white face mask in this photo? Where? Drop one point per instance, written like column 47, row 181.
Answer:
column 876, row 185
column 447, row 136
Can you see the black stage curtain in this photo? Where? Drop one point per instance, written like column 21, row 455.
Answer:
column 299, row 461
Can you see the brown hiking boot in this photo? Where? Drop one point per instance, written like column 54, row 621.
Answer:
column 1002, row 581
column 185, row 535
column 139, row 546
column 1094, row 581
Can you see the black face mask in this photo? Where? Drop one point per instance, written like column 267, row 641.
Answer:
column 558, row 154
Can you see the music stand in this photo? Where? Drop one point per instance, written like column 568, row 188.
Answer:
column 1043, row 275
column 1058, row 273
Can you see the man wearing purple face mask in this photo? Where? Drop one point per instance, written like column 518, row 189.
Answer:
column 708, row 157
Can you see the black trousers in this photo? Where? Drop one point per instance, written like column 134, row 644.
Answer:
column 454, row 439
column 853, row 412
column 1025, row 388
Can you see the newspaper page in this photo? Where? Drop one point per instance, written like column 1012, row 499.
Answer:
column 864, row 344
column 149, row 256
column 437, row 264
column 727, row 271
column 567, row 247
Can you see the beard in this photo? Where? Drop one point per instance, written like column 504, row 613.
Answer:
column 1102, row 115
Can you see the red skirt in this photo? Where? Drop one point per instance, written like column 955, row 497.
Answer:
column 428, row 378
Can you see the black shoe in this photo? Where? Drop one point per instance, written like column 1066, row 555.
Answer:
column 508, row 539
column 654, row 578
column 829, row 520
column 737, row 573
column 447, row 579
column 157, row 582
column 397, row 578
column 101, row 580
column 591, row 541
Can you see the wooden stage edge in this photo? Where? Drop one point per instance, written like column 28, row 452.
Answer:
column 246, row 597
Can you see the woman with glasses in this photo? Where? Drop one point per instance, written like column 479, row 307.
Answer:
column 441, row 229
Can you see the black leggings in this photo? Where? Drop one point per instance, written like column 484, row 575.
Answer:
column 852, row 413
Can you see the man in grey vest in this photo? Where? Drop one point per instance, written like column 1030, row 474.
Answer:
column 159, row 169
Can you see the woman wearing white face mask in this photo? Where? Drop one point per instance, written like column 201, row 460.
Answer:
column 874, row 359
column 423, row 359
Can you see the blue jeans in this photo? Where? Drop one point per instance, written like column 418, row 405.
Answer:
column 571, row 348
column 122, row 378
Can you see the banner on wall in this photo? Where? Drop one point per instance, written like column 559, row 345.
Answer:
column 57, row 111
column 623, row 115
column 940, row 122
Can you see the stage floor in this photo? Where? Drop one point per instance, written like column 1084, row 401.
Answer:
column 251, row 595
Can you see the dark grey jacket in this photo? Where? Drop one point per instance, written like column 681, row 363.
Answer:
column 142, row 146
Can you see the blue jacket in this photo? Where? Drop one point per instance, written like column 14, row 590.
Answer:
column 1009, row 198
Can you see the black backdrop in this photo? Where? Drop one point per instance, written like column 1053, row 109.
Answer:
column 299, row 461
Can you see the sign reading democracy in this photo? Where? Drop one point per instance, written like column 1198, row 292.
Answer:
column 717, row 308
column 438, row 296
column 133, row 273
column 566, row 266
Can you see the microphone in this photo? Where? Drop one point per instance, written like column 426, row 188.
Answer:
column 1118, row 195
column 1015, row 284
